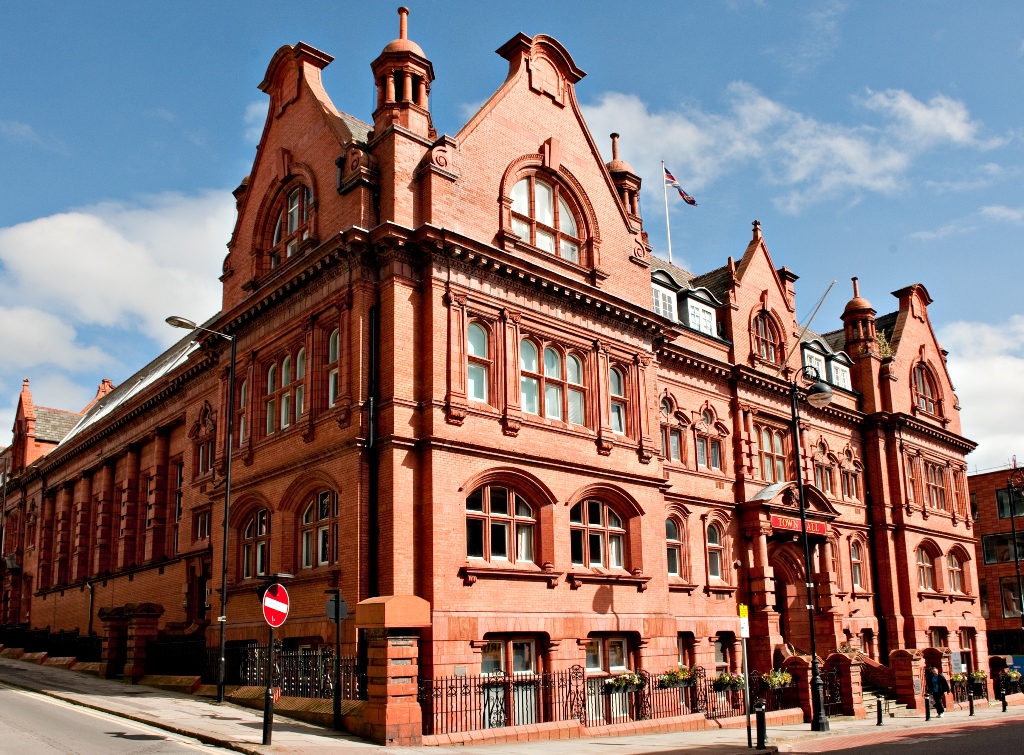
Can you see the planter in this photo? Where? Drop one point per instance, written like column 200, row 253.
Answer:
column 610, row 689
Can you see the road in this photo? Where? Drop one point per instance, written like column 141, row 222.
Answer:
column 992, row 739
column 33, row 724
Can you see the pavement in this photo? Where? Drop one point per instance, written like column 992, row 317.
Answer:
column 240, row 729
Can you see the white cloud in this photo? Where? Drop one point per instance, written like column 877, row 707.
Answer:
column 19, row 133
column 986, row 363
column 254, row 119
column 809, row 160
column 30, row 338
column 956, row 227
column 1002, row 212
column 923, row 125
column 119, row 265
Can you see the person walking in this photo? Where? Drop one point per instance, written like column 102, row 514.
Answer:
column 937, row 688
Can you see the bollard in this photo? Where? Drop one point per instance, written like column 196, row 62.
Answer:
column 1002, row 689
column 762, row 725
column 970, row 700
column 878, row 708
column 927, row 707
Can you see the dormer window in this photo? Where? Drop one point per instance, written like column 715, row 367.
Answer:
column 815, row 360
column 664, row 302
column 291, row 224
column 926, row 395
column 701, row 317
column 542, row 217
column 840, row 376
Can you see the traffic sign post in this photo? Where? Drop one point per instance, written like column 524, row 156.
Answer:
column 744, row 634
column 337, row 610
column 276, row 604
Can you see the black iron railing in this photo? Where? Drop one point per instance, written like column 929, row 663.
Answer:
column 832, row 692
column 776, row 698
column 63, row 644
column 1009, row 686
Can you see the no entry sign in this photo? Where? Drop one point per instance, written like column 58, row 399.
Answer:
column 275, row 605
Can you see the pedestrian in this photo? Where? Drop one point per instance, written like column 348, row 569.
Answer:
column 937, row 688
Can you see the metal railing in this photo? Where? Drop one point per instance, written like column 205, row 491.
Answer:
column 832, row 692
column 776, row 698
column 1007, row 686
column 63, row 644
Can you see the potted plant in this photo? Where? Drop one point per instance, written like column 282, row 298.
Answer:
column 979, row 676
column 727, row 681
column 1012, row 675
column 958, row 678
column 680, row 677
column 627, row 681
column 777, row 678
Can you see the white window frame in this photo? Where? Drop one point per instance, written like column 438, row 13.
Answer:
column 700, row 317
column 840, row 375
column 817, row 361
column 664, row 302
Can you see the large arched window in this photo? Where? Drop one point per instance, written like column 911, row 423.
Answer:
column 552, row 387
column 716, row 551
column 596, row 535
column 926, row 394
column 319, row 530
column 500, row 525
column 241, row 414
column 773, row 458
column 291, row 224
column 256, row 545
column 542, row 216
column 925, row 569
column 709, row 447
column 271, row 401
column 671, row 434
column 765, row 339
column 479, row 368
column 956, row 573
column 286, row 391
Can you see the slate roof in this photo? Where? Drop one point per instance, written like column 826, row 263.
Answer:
column 680, row 276
column 53, row 425
column 717, row 282
column 887, row 324
column 142, row 379
column 344, row 122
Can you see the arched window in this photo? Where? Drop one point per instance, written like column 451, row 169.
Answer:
column 319, row 530
column 935, row 485
column 271, row 399
column 256, row 545
column 500, row 525
column 773, row 458
column 541, row 216
column 674, row 544
column 822, row 470
column 857, row 564
column 479, row 355
column 671, row 434
column 716, row 552
column 709, row 448
column 766, row 343
column 300, row 383
column 596, row 535
column 333, row 351
column 291, row 224
column 241, row 414
column 925, row 569
column 617, row 389
column 926, row 395
column 956, row 573
column 552, row 388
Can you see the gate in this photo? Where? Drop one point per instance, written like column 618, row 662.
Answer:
column 832, row 693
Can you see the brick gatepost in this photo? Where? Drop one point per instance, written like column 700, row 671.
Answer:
column 115, row 635
column 848, row 668
column 800, row 668
column 391, row 715
column 906, row 667
column 142, row 629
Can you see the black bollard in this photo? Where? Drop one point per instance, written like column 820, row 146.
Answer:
column 1002, row 689
column 970, row 698
column 927, row 707
column 878, row 708
column 762, row 724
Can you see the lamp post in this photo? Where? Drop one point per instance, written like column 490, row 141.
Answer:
column 818, row 395
column 181, row 322
column 1014, row 481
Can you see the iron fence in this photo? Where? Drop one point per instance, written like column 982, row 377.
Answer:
column 715, row 700
column 775, row 698
column 1008, row 686
column 832, row 693
column 67, row 643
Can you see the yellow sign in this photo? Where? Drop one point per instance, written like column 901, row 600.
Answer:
column 743, row 611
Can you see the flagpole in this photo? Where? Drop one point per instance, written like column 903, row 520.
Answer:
column 668, row 228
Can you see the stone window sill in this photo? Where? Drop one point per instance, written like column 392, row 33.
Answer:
column 470, row 573
column 578, row 578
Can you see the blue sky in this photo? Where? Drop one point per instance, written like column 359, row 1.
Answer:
column 875, row 139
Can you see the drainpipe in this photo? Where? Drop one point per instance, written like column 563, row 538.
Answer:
column 883, row 635
column 91, row 596
column 372, row 458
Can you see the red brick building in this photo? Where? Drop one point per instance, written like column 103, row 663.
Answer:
column 997, row 577
column 454, row 382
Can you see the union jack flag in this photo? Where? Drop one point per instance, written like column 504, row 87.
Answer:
column 670, row 180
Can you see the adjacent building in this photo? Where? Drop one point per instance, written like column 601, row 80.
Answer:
column 464, row 374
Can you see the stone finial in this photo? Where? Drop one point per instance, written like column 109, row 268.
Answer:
column 403, row 23
column 757, row 229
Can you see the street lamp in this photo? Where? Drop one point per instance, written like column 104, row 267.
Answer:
column 181, row 322
column 1016, row 480
column 818, row 396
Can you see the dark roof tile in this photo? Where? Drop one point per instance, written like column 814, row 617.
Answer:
column 53, row 425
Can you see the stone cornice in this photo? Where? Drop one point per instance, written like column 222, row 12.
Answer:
column 907, row 422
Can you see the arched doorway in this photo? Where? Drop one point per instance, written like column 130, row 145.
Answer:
column 791, row 598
